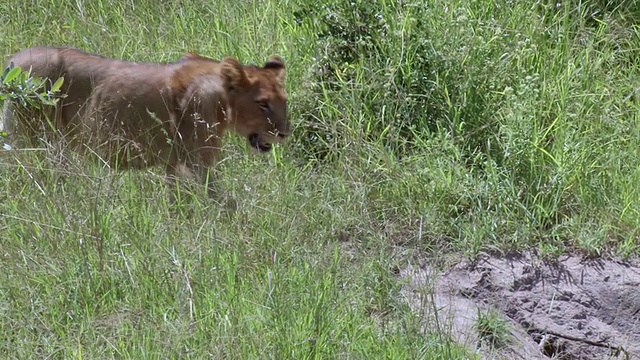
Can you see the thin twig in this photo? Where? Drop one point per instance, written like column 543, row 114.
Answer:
column 602, row 344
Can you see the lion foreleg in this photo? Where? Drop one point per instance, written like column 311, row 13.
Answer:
column 175, row 171
column 208, row 173
column 207, row 146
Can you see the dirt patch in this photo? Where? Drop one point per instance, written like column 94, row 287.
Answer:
column 571, row 309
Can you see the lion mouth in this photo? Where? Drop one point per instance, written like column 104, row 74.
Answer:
column 256, row 141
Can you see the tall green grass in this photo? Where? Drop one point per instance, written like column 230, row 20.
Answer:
column 534, row 106
column 436, row 127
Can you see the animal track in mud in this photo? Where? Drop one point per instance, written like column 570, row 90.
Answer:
column 571, row 309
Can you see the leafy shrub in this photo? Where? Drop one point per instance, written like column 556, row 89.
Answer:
column 391, row 82
column 19, row 87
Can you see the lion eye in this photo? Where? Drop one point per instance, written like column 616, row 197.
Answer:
column 263, row 105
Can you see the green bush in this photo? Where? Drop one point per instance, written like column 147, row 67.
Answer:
column 405, row 80
column 533, row 103
column 24, row 90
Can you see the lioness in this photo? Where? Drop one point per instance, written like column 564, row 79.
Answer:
column 137, row 115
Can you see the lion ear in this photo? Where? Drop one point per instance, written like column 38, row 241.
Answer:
column 189, row 56
column 276, row 65
column 233, row 74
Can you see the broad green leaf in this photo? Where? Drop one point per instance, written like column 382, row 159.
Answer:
column 6, row 71
column 57, row 85
column 12, row 74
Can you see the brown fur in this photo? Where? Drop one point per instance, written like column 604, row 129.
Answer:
column 138, row 115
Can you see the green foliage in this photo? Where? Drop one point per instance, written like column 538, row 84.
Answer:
column 492, row 329
column 384, row 59
column 519, row 97
column 443, row 128
column 19, row 86
column 22, row 89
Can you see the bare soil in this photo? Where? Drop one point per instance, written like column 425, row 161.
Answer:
column 569, row 309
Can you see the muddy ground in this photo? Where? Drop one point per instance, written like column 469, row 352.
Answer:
column 570, row 309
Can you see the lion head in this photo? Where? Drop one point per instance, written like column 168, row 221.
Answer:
column 259, row 103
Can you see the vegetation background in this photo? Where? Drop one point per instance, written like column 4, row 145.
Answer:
column 426, row 129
